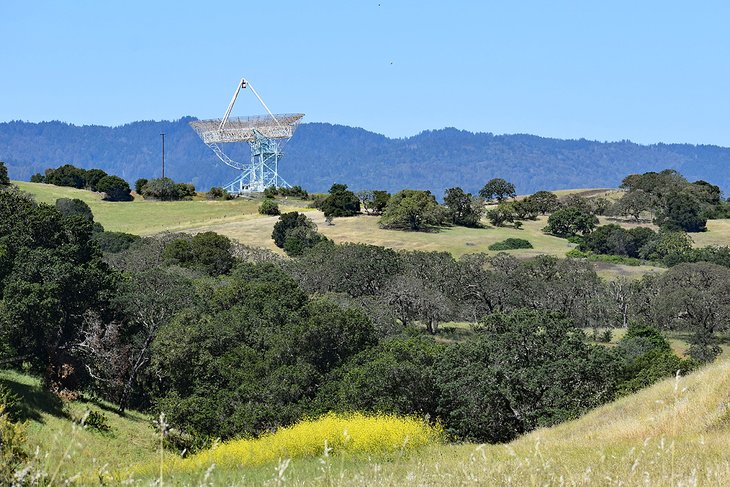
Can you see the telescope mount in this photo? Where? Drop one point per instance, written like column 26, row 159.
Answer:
column 265, row 135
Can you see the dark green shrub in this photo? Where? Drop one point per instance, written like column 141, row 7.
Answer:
column 511, row 244
column 115, row 188
column 521, row 371
column 503, row 213
column 682, row 211
column 651, row 367
column 208, row 252
column 184, row 191
column 74, row 207
column 570, row 221
column 545, row 201
column 647, row 357
column 703, row 348
column 295, row 192
column 159, row 189
column 615, row 240
column 269, row 207
column 301, row 238
column 294, row 233
column 397, row 376
column 413, row 210
column 463, row 208
column 66, row 175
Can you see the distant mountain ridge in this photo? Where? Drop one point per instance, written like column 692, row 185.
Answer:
column 321, row 153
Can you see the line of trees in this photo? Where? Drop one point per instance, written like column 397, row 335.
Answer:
column 113, row 187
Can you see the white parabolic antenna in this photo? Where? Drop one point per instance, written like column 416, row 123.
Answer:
column 266, row 136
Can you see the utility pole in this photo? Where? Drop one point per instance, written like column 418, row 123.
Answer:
column 163, row 153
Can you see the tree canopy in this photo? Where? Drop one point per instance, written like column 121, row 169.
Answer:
column 115, row 188
column 340, row 202
column 567, row 222
column 413, row 210
column 463, row 208
column 498, row 188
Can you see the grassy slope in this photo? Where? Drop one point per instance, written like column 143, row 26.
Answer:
column 149, row 217
column 674, row 432
column 51, row 429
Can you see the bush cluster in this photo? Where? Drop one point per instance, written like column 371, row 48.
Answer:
column 666, row 247
column 295, row 233
column 511, row 244
column 340, row 202
column 217, row 193
column 4, row 179
column 678, row 205
column 165, row 189
column 294, row 192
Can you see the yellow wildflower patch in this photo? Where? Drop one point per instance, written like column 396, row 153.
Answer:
column 356, row 433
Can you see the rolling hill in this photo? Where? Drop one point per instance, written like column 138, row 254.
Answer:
column 322, row 153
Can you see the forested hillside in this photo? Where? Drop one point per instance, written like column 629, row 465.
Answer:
column 320, row 154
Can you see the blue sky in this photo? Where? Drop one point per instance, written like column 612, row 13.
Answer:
column 647, row 71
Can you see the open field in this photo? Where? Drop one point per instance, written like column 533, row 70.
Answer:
column 673, row 433
column 365, row 229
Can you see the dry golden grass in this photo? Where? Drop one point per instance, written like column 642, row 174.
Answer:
column 718, row 233
column 365, row 229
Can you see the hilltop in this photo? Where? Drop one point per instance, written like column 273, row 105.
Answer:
column 322, row 153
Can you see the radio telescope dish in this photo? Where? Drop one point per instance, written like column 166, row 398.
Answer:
column 266, row 136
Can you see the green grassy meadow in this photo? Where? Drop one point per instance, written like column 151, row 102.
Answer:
column 150, row 217
column 673, row 433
